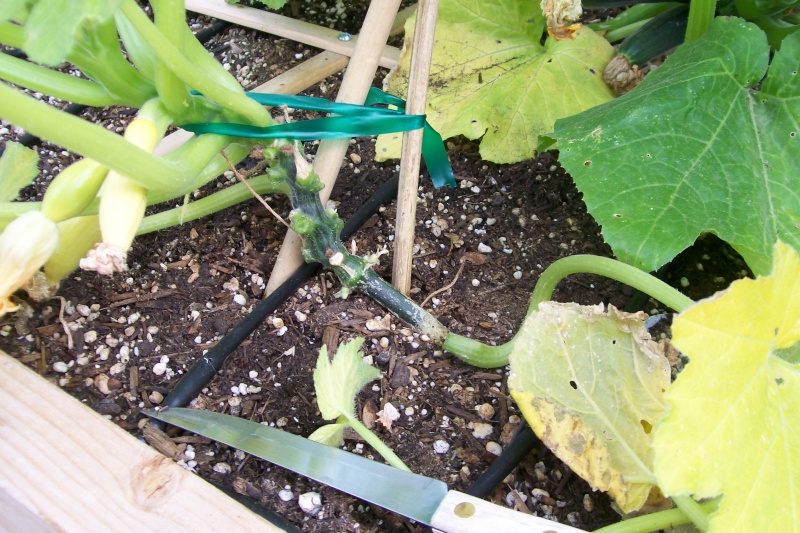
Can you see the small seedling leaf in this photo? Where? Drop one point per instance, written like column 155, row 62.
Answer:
column 492, row 78
column 696, row 148
column 337, row 382
column 733, row 411
column 18, row 169
column 591, row 384
column 331, row 434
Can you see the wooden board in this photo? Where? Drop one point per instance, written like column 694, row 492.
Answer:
column 65, row 468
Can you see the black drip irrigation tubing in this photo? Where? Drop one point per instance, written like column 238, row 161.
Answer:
column 205, row 368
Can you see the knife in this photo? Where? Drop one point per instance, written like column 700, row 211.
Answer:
column 420, row 498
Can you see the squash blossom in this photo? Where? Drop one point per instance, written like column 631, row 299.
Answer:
column 562, row 17
column 122, row 206
column 25, row 245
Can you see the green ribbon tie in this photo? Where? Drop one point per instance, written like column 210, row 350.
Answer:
column 353, row 121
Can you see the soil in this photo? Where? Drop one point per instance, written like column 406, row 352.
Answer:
column 125, row 341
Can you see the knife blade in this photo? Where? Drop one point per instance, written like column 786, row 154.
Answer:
column 414, row 496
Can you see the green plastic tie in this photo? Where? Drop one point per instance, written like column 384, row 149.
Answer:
column 353, row 121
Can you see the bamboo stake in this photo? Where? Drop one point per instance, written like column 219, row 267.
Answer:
column 302, row 32
column 405, row 223
column 355, row 85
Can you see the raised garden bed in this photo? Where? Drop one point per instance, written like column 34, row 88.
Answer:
column 120, row 344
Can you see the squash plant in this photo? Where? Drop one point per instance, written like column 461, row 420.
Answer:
column 157, row 69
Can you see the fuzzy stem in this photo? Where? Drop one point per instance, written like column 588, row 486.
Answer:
column 379, row 446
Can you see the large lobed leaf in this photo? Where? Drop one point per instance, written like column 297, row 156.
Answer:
column 694, row 148
column 491, row 77
column 591, row 384
column 732, row 427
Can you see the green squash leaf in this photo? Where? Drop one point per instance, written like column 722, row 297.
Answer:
column 53, row 26
column 337, row 382
column 591, row 384
column 695, row 148
column 490, row 77
column 18, row 169
column 733, row 411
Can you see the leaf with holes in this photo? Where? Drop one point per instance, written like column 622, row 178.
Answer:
column 733, row 411
column 591, row 385
column 492, row 78
column 696, row 148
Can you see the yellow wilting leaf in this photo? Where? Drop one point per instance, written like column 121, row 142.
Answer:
column 591, row 384
column 732, row 427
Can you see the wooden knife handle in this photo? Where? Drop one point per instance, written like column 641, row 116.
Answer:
column 461, row 513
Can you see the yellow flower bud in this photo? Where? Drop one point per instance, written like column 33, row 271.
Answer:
column 122, row 207
column 25, row 244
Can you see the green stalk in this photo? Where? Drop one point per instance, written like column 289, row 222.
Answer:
column 232, row 100
column 377, row 444
column 656, row 521
column 170, row 18
column 479, row 354
column 90, row 140
column 264, row 184
column 633, row 14
column 701, row 13
column 620, row 33
column 98, row 55
column 610, row 268
column 693, row 510
column 206, row 62
column 50, row 82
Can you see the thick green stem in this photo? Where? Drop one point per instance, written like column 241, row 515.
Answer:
column 89, row 140
column 620, row 33
column 170, row 19
column 405, row 308
column 635, row 13
column 476, row 353
column 701, row 13
column 479, row 354
column 377, row 444
column 50, row 82
column 218, row 201
column 657, row 521
column 610, row 268
column 166, row 52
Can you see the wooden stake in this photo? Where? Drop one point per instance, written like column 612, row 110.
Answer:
column 355, row 85
column 412, row 145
